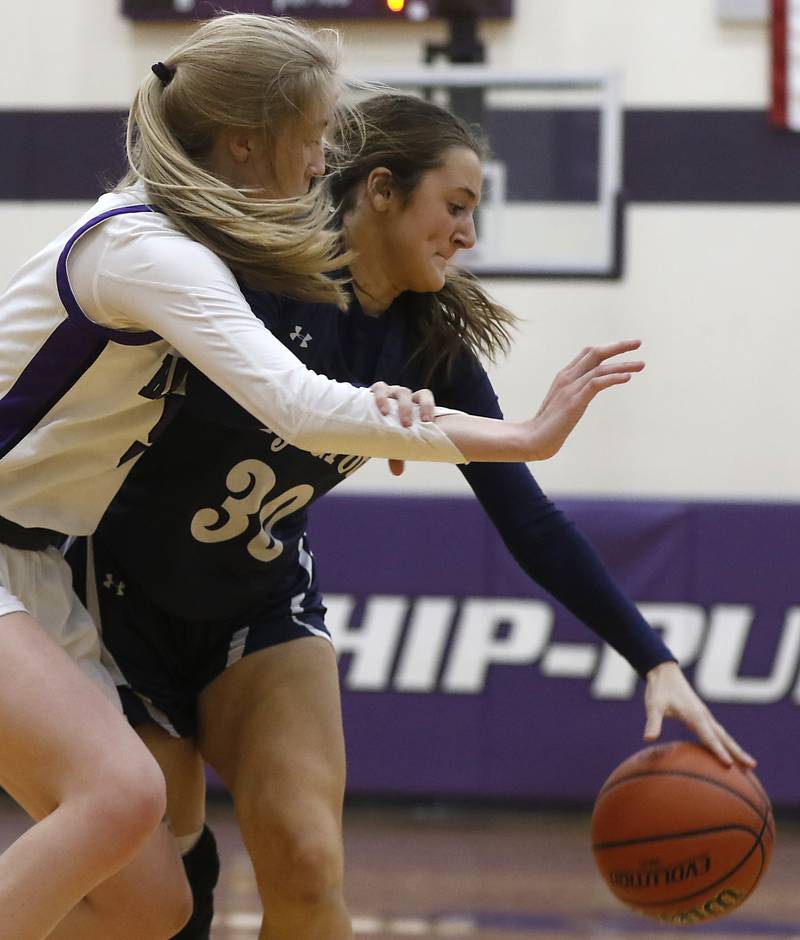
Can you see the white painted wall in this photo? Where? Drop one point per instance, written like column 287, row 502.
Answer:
column 672, row 52
column 710, row 290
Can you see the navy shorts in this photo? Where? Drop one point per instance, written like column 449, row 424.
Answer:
column 161, row 662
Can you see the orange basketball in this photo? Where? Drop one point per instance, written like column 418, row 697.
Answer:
column 679, row 837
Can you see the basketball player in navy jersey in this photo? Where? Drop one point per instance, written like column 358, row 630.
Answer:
column 224, row 138
column 201, row 571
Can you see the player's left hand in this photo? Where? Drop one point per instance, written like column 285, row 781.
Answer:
column 406, row 401
column 669, row 695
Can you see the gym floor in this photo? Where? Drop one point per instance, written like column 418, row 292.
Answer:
column 438, row 872
column 477, row 874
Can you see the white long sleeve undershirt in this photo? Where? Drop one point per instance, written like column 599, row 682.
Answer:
column 137, row 272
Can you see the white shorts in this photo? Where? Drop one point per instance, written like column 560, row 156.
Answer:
column 40, row 583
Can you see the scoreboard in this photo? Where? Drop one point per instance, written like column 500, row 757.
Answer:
column 410, row 10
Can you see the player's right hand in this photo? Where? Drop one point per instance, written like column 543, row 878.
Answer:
column 573, row 389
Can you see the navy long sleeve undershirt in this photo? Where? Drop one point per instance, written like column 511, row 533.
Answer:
column 545, row 543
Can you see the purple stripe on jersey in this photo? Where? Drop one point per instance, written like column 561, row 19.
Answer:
column 71, row 305
column 66, row 355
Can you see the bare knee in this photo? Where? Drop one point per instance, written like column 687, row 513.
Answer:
column 136, row 798
column 298, row 862
column 123, row 807
column 313, row 868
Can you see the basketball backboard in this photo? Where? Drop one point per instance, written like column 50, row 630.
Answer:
column 551, row 205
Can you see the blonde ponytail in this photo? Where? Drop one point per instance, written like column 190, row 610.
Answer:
column 242, row 71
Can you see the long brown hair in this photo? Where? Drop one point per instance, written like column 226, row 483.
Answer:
column 410, row 136
column 242, row 71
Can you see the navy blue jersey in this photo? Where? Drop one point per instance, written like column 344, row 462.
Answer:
column 214, row 524
column 212, row 521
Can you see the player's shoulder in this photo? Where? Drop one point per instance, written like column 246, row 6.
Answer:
column 309, row 312
column 462, row 368
column 129, row 206
column 142, row 240
column 463, row 383
column 129, row 211
column 284, row 315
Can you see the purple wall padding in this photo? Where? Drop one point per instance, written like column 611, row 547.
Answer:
column 462, row 678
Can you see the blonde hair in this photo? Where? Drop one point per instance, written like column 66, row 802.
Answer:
column 251, row 72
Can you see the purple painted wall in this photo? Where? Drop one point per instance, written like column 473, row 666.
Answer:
column 462, row 678
column 673, row 155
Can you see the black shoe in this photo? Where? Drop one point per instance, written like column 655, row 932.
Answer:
column 202, row 870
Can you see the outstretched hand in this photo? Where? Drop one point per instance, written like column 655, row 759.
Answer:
column 573, row 389
column 669, row 695
column 541, row 437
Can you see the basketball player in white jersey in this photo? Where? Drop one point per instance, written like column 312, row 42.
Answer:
column 223, row 140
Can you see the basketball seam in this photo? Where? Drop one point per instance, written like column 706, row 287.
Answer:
column 762, row 792
column 687, row 897
column 714, row 884
column 683, row 773
column 601, row 846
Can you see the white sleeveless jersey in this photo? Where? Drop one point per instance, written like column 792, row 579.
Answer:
column 78, row 401
column 81, row 398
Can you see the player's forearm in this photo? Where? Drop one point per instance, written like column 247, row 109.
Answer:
column 491, row 439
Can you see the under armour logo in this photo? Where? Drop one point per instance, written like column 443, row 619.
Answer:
column 297, row 334
column 110, row 585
